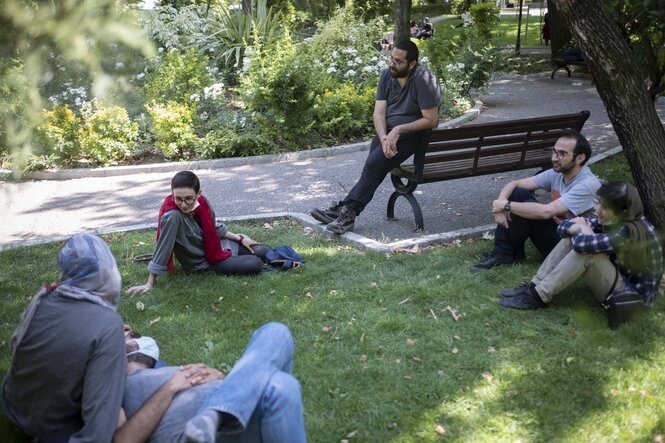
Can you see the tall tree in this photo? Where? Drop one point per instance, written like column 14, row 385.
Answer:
column 620, row 82
column 559, row 32
column 402, row 18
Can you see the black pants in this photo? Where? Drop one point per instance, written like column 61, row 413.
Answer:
column 509, row 242
column 377, row 166
column 245, row 263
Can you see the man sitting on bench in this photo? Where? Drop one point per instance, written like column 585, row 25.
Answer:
column 519, row 216
column 407, row 103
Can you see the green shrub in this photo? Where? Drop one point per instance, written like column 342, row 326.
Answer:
column 108, row 135
column 178, row 77
column 172, row 128
column 418, row 12
column 60, row 134
column 485, row 17
column 344, row 111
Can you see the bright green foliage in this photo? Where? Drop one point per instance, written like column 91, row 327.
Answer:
column 485, row 17
column 108, row 134
column 15, row 126
column 370, row 9
column 172, row 128
column 177, row 78
column 35, row 32
column 463, row 62
column 345, row 111
column 61, row 133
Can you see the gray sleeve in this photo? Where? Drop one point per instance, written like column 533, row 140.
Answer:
column 168, row 231
column 580, row 198
column 381, row 87
column 103, row 386
column 428, row 90
column 221, row 229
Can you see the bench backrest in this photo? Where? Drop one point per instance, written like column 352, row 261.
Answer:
column 485, row 148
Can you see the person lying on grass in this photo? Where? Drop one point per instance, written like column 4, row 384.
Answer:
column 187, row 229
column 617, row 250
column 258, row 401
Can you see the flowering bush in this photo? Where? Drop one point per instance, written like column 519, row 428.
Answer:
column 108, row 135
column 177, row 77
column 60, row 134
column 172, row 128
column 344, row 111
column 485, row 17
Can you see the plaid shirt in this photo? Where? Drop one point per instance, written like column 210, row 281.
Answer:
column 645, row 283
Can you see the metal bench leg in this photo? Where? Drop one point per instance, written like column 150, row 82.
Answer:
column 415, row 206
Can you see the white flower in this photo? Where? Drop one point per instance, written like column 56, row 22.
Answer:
column 53, row 99
column 449, row 67
column 424, row 60
column 374, row 59
column 119, row 65
column 140, row 75
column 350, row 73
column 334, row 54
column 349, row 63
column 460, row 65
column 318, row 63
column 331, row 69
column 358, row 60
column 195, row 97
column 368, row 68
column 160, row 49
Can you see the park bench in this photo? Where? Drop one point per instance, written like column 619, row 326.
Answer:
column 479, row 149
column 560, row 63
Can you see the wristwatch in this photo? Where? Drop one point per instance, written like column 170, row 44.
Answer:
column 506, row 207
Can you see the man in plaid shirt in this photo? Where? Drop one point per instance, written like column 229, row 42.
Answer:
column 617, row 250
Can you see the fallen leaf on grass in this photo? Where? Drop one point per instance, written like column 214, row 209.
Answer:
column 414, row 358
column 457, row 243
column 267, row 226
column 363, row 357
column 152, row 322
column 333, row 292
column 406, row 300
column 272, row 292
column 374, row 285
column 410, row 342
column 433, row 315
column 412, row 250
column 362, row 338
column 498, row 177
column 455, row 350
column 326, row 329
column 454, row 313
column 488, row 377
column 307, row 230
column 440, row 430
column 488, row 236
column 352, row 434
column 140, row 306
column 408, row 377
column 510, row 393
column 491, row 349
column 392, row 426
column 309, row 295
column 344, row 248
column 659, row 439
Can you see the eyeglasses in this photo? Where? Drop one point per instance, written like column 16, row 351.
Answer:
column 187, row 200
column 396, row 61
column 560, row 153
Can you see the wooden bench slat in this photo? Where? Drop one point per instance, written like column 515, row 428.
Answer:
column 480, row 149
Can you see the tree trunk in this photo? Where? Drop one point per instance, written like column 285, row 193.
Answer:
column 402, row 17
column 559, row 31
column 620, row 84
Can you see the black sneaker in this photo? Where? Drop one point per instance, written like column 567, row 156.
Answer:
column 491, row 262
column 326, row 215
column 526, row 300
column 345, row 221
column 516, row 291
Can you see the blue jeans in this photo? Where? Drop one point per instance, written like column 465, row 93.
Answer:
column 260, row 399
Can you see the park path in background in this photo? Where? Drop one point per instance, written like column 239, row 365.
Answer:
column 40, row 209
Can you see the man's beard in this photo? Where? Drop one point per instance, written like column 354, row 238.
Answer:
column 399, row 74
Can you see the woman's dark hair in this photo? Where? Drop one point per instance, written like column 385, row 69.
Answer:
column 186, row 179
column 410, row 48
column 614, row 196
column 582, row 145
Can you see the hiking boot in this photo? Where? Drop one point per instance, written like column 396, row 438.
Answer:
column 326, row 215
column 345, row 221
column 492, row 261
column 516, row 291
column 525, row 300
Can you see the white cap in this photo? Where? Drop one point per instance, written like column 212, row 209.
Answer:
column 146, row 346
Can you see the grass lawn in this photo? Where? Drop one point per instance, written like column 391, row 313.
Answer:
column 397, row 347
column 505, row 30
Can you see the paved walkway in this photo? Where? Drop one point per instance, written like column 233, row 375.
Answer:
column 41, row 209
